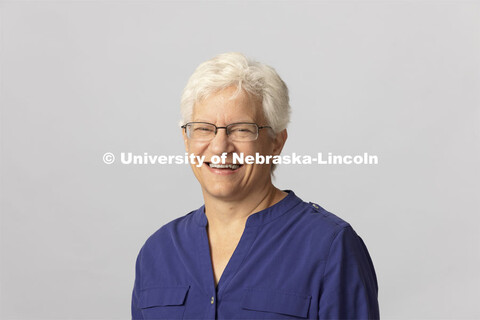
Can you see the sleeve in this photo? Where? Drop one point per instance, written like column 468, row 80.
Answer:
column 349, row 289
column 136, row 312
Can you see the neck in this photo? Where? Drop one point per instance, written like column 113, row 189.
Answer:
column 229, row 215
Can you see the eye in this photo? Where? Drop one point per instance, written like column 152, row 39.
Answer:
column 242, row 129
column 203, row 129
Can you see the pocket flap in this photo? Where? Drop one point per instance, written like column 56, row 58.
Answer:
column 162, row 296
column 288, row 303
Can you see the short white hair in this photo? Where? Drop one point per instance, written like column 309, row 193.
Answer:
column 235, row 69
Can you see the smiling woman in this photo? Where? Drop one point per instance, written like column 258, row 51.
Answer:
column 233, row 109
column 251, row 251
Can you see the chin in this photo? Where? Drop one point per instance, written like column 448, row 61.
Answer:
column 224, row 191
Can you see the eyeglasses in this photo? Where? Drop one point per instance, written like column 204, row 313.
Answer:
column 240, row 131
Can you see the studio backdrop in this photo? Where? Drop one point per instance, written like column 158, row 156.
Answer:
column 82, row 81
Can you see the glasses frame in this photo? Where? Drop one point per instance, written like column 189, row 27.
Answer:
column 226, row 129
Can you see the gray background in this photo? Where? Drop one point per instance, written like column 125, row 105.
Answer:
column 80, row 78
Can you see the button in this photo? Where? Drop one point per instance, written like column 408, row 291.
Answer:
column 212, row 300
column 315, row 206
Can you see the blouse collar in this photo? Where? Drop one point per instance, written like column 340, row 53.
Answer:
column 261, row 217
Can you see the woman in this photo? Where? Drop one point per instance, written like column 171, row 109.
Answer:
column 252, row 251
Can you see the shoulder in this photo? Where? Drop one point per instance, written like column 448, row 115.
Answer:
column 335, row 235
column 165, row 236
column 319, row 228
column 320, row 221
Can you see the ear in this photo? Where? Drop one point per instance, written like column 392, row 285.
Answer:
column 279, row 142
column 185, row 139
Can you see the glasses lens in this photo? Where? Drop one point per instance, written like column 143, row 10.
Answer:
column 200, row 131
column 243, row 131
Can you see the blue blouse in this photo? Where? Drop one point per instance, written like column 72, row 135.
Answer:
column 294, row 260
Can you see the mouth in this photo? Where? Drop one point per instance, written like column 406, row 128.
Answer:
column 223, row 167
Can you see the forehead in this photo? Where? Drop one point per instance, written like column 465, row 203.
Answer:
column 229, row 105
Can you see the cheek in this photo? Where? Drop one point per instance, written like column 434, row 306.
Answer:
column 196, row 147
column 252, row 149
column 248, row 149
column 265, row 146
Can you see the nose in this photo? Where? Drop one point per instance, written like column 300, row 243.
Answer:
column 220, row 143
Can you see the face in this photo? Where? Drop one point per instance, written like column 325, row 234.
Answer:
column 221, row 110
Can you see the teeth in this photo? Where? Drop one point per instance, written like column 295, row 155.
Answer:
column 224, row 166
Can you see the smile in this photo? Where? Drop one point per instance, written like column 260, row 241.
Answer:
column 224, row 166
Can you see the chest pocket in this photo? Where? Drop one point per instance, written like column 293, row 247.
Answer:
column 274, row 304
column 163, row 302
